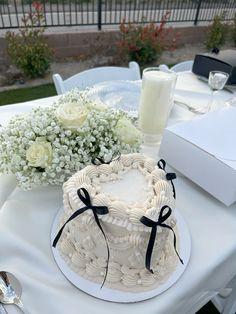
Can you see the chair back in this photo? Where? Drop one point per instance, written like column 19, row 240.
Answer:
column 182, row 66
column 100, row 74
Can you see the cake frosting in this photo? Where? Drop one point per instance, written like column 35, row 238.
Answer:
column 111, row 248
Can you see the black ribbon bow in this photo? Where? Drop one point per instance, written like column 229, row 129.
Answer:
column 97, row 210
column 153, row 224
column 99, row 161
column 169, row 176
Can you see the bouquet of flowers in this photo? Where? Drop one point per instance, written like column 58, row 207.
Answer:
column 47, row 145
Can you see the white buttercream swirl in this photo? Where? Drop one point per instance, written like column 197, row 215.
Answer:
column 163, row 186
column 138, row 158
column 153, row 213
column 101, row 200
column 88, row 243
column 158, row 174
column 135, row 215
column 91, row 171
column 161, row 200
column 102, row 262
column 93, row 269
column 66, row 246
column 136, row 260
column 118, row 209
column 79, row 259
column 114, row 274
column 105, row 169
column 117, row 166
column 147, row 279
column 126, row 160
column 149, row 164
column 91, row 190
column 135, row 165
column 82, row 179
column 126, row 270
column 130, row 280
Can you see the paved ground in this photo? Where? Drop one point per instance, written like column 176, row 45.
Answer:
column 69, row 68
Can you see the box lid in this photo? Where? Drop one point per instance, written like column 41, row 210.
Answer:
column 213, row 133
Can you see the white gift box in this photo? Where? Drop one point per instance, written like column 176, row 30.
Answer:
column 204, row 150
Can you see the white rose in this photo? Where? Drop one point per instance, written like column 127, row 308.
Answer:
column 100, row 106
column 71, row 115
column 39, row 154
column 126, row 131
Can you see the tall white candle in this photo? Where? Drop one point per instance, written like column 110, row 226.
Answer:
column 155, row 103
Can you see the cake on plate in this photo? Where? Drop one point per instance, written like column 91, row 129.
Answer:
column 117, row 228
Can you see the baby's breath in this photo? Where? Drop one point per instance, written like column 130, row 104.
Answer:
column 71, row 149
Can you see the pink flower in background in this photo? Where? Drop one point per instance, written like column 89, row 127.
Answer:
column 38, row 6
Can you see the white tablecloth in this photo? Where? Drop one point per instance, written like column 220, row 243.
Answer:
column 25, row 223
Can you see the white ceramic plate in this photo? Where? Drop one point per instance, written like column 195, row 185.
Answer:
column 107, row 294
column 122, row 95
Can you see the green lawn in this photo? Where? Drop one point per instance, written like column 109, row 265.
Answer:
column 25, row 94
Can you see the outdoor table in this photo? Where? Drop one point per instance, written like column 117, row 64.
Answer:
column 26, row 218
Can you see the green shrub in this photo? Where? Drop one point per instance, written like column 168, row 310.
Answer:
column 217, row 32
column 233, row 29
column 28, row 49
column 144, row 43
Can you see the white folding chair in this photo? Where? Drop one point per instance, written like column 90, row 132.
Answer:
column 182, row 66
column 100, row 74
column 164, row 67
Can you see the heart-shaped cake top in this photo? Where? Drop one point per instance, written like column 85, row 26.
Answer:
column 131, row 186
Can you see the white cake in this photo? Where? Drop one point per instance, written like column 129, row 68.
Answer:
column 130, row 187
